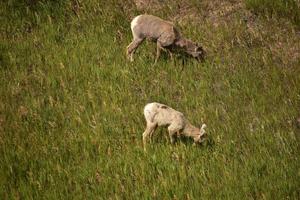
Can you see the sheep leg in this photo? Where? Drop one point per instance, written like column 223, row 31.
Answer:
column 132, row 47
column 149, row 131
column 170, row 53
column 165, row 41
column 167, row 50
column 171, row 135
column 158, row 50
column 172, row 132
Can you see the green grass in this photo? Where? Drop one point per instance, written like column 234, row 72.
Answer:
column 71, row 107
column 289, row 9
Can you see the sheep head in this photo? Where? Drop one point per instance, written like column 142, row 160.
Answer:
column 202, row 133
column 191, row 48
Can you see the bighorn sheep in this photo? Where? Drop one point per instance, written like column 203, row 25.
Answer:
column 157, row 114
column 165, row 34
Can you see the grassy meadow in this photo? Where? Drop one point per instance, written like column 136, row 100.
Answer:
column 71, row 104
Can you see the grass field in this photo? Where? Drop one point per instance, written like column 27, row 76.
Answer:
column 71, row 105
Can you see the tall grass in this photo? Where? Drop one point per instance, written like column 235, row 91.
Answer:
column 71, row 109
column 283, row 8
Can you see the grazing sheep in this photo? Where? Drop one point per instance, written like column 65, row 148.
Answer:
column 157, row 114
column 164, row 33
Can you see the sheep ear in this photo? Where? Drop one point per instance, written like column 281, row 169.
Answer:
column 202, row 130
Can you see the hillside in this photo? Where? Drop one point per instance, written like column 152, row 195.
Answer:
column 71, row 104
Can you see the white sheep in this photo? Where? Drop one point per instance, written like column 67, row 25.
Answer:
column 165, row 34
column 157, row 114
